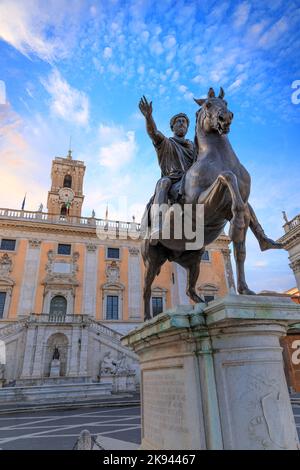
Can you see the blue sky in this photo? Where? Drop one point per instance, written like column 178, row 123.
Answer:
column 80, row 67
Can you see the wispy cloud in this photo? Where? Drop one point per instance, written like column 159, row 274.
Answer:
column 18, row 160
column 270, row 37
column 118, row 147
column 66, row 102
column 241, row 14
column 35, row 30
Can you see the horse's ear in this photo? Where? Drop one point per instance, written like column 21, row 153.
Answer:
column 222, row 93
column 211, row 93
column 199, row 101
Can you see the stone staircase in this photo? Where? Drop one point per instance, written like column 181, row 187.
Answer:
column 59, row 393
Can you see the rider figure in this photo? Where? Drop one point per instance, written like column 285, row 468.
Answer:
column 175, row 156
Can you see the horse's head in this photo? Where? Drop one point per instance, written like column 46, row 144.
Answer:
column 213, row 115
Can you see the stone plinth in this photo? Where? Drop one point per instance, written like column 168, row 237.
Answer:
column 55, row 368
column 214, row 378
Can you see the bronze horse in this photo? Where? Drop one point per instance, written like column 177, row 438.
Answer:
column 221, row 183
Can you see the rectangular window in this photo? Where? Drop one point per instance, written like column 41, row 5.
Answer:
column 205, row 256
column 209, row 298
column 2, row 303
column 7, row 244
column 113, row 253
column 157, row 305
column 112, row 307
column 64, row 249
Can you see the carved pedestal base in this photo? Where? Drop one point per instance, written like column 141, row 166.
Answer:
column 215, row 380
column 55, row 368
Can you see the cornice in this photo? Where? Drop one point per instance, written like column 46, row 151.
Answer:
column 290, row 239
column 84, row 231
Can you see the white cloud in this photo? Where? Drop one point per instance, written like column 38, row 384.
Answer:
column 260, row 264
column 256, row 29
column 19, row 163
column 118, row 147
column 169, row 42
column 67, row 102
column 107, row 53
column 145, row 36
column 241, row 14
column 182, row 88
column 198, row 79
column 175, row 76
column 156, row 47
column 237, row 83
column 26, row 25
column 274, row 33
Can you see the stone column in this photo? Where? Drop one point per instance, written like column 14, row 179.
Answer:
column 228, row 270
column 181, row 276
column 29, row 352
column 90, row 280
column 83, row 351
column 38, row 360
column 213, row 377
column 134, row 284
column 295, row 266
column 73, row 359
column 29, row 285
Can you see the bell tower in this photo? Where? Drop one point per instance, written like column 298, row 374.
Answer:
column 65, row 197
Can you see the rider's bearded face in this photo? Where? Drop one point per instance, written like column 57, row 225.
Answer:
column 180, row 127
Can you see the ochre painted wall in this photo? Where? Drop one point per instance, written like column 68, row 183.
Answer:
column 18, row 259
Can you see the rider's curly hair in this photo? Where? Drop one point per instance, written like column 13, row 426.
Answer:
column 173, row 119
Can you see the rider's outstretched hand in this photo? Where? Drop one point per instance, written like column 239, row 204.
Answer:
column 145, row 107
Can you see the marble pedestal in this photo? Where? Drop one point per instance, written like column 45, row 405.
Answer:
column 55, row 368
column 214, row 378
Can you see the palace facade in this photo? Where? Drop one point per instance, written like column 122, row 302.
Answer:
column 75, row 283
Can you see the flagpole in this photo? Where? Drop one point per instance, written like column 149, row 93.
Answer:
column 23, row 203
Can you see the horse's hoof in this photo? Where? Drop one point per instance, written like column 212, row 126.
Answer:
column 269, row 244
column 246, row 291
column 194, row 297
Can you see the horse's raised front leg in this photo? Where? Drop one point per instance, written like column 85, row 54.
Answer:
column 265, row 242
column 212, row 196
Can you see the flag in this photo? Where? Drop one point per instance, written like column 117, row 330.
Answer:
column 23, row 203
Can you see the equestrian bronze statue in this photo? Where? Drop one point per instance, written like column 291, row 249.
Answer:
column 205, row 172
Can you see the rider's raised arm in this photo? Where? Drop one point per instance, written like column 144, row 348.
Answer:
column 146, row 109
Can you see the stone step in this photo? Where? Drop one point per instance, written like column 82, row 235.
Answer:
column 105, row 401
column 59, row 393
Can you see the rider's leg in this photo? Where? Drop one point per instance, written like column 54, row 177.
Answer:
column 265, row 242
column 160, row 198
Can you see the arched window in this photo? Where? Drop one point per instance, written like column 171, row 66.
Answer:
column 58, row 306
column 63, row 210
column 68, row 181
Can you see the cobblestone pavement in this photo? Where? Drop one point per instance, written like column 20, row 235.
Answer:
column 59, row 430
